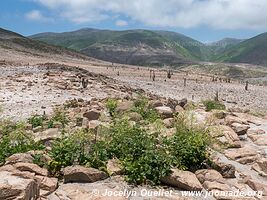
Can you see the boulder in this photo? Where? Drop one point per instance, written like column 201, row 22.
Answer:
column 261, row 167
column 182, row 102
column 253, row 131
column 208, row 175
column 93, row 124
column 168, row 122
column 19, row 157
column 226, row 170
column 124, row 106
column 134, row 116
column 114, row 167
column 178, row 109
column 47, row 185
column 92, row 114
column 155, row 103
column 260, row 140
column 30, row 167
column 48, row 134
column 183, row 180
column 230, row 119
column 231, row 138
column 211, row 185
column 82, row 174
column 240, row 129
column 257, row 186
column 14, row 187
column 165, row 111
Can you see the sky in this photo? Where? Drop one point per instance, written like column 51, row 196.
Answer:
column 203, row 20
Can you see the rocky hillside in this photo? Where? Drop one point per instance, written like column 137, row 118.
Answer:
column 113, row 138
column 137, row 47
column 10, row 41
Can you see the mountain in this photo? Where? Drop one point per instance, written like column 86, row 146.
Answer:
column 15, row 44
column 223, row 45
column 252, row 51
column 138, row 47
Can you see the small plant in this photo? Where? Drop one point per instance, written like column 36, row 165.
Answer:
column 111, row 105
column 14, row 139
column 213, row 105
column 60, row 116
column 36, row 121
column 148, row 113
column 37, row 159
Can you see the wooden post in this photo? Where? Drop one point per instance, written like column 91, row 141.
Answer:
column 184, row 82
column 246, row 87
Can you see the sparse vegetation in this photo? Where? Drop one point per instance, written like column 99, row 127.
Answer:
column 142, row 107
column 36, row 120
column 14, row 139
column 145, row 157
column 213, row 105
column 111, row 105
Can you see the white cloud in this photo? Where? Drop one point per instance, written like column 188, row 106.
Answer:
column 121, row 23
column 36, row 15
column 219, row 14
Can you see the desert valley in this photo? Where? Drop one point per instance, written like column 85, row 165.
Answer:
column 142, row 119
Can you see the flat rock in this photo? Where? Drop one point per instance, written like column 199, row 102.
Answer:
column 183, row 179
column 208, row 175
column 240, row 129
column 165, row 111
column 242, row 155
column 82, row 174
column 92, row 114
column 19, row 157
column 30, row 167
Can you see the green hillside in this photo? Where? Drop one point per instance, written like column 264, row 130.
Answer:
column 132, row 46
column 252, row 51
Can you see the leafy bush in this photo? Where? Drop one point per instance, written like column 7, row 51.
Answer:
column 188, row 145
column 78, row 148
column 213, row 105
column 68, row 150
column 14, row 139
column 143, row 160
column 36, row 121
column 111, row 105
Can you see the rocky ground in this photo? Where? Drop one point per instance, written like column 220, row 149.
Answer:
column 198, row 87
column 238, row 155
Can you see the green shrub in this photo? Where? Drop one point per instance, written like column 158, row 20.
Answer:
column 79, row 148
column 14, row 139
column 36, row 121
column 213, row 105
column 111, row 105
column 144, row 161
column 188, row 146
column 68, row 150
column 37, row 159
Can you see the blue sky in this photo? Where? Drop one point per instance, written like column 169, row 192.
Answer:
column 204, row 20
